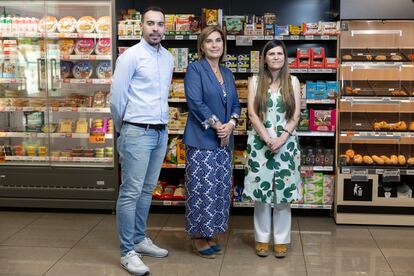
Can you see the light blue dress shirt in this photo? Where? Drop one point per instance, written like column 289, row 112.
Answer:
column 140, row 85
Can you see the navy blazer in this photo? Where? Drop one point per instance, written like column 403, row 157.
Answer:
column 205, row 98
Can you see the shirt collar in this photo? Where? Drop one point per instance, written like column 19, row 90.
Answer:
column 150, row 48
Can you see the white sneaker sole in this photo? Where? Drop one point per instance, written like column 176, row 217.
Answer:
column 135, row 274
column 154, row 256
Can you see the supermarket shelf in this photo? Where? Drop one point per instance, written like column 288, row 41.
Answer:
column 321, row 101
column 87, row 81
column 375, row 169
column 181, row 131
column 53, row 35
column 291, row 70
column 377, row 105
column 317, row 168
column 12, row 80
column 243, row 204
column 57, row 109
column 316, row 133
column 234, row 37
column 294, row 206
column 85, row 57
column 59, row 159
column 9, row 57
column 177, row 100
column 46, row 135
column 372, row 137
column 182, row 166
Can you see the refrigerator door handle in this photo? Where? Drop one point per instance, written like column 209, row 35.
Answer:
column 53, row 72
column 39, row 75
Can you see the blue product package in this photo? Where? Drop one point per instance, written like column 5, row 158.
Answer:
column 238, row 191
column 310, row 89
column 281, row 30
column 332, row 89
column 104, row 70
column 322, row 93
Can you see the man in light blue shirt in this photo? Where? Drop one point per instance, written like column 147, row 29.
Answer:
column 139, row 107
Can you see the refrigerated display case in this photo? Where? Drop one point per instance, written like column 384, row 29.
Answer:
column 56, row 132
column 376, row 123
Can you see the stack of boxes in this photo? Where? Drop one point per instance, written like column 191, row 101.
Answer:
column 312, row 58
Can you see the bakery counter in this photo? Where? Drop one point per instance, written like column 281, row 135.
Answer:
column 391, row 138
column 377, row 55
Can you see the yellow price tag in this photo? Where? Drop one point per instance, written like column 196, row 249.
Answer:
column 97, row 138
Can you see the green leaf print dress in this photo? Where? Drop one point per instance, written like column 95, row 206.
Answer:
column 273, row 178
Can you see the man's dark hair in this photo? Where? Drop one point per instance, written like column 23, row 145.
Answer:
column 152, row 8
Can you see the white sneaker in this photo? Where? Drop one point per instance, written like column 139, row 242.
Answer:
column 133, row 264
column 147, row 248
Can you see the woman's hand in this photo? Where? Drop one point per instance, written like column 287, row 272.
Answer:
column 276, row 143
column 225, row 130
column 224, row 142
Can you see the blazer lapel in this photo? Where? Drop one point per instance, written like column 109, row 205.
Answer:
column 213, row 78
column 228, row 79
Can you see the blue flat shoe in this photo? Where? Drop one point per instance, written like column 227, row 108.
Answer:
column 215, row 246
column 208, row 253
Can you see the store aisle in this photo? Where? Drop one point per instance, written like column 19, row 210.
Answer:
column 86, row 244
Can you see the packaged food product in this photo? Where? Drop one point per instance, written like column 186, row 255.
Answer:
column 47, row 24
column 30, row 150
column 103, row 25
column 67, row 24
column 313, row 186
column 65, row 125
column 86, row 24
column 55, row 153
column 66, row 46
column 179, row 193
column 104, row 70
column 168, row 193
column 156, row 194
column 103, row 46
column 82, row 70
column 9, row 69
column 322, row 120
column 42, row 150
column 182, row 22
column 33, row 121
column 66, row 69
column 171, row 156
column 65, row 153
column 81, row 125
column 18, row 150
column 50, row 128
column 180, row 152
column 84, row 46
column 99, row 99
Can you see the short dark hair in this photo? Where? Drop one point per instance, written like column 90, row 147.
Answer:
column 152, row 8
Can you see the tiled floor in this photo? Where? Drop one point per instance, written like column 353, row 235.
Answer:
column 86, row 244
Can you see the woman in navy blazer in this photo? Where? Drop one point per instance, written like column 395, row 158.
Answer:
column 214, row 110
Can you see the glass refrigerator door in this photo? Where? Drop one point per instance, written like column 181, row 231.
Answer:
column 79, row 71
column 23, row 88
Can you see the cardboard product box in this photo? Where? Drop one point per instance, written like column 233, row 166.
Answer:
column 310, row 28
column 331, row 63
column 302, row 63
column 243, row 112
column 192, row 57
column 183, row 58
column 234, row 24
column 295, row 30
column 313, row 187
column 231, row 62
column 258, row 26
column 195, row 24
column 303, row 52
column 212, row 17
column 182, row 23
column 281, row 30
column 177, row 88
column 293, row 62
column 269, row 23
column 303, row 120
column 249, row 25
column 242, row 125
column 169, row 24
column 303, row 90
column 317, row 53
column 239, row 157
column 255, row 60
column 322, row 120
column 328, row 184
column 243, row 61
column 332, row 89
column 180, row 152
column 317, row 63
column 329, row 28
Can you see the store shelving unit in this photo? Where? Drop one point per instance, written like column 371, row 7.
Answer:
column 43, row 163
column 376, row 111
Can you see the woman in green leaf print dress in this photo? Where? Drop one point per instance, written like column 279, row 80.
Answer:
column 273, row 163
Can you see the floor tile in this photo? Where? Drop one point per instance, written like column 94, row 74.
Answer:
column 46, row 237
column 401, row 260
column 68, row 221
column 28, row 261
column 17, row 219
column 351, row 262
column 86, row 262
column 6, row 231
column 323, row 224
column 393, row 237
column 175, row 221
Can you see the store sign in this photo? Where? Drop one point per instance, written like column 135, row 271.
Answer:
column 357, row 190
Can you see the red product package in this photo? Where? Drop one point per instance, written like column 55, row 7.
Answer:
column 103, row 46
column 322, row 120
column 168, row 193
column 84, row 46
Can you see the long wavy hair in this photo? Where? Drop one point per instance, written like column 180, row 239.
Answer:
column 265, row 79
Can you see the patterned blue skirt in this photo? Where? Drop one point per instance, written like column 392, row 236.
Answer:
column 208, row 191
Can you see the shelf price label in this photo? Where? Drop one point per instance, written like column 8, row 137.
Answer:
column 391, row 176
column 360, row 175
column 97, row 138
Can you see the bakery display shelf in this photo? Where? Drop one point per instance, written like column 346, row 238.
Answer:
column 87, row 81
column 86, row 57
column 294, row 206
column 316, row 133
column 46, row 135
column 381, row 138
column 377, row 88
column 12, row 80
column 56, row 109
column 368, row 55
column 52, row 35
column 377, row 105
column 234, row 37
column 377, row 169
column 181, row 131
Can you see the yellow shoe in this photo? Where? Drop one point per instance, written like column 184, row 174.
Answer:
column 262, row 249
column 280, row 250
